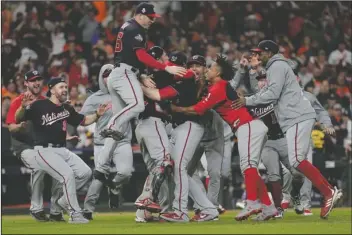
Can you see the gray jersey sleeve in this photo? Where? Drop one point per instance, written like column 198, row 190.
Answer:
column 239, row 76
column 322, row 115
column 89, row 106
column 270, row 93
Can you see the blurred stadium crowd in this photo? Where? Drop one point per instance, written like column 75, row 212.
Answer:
column 74, row 39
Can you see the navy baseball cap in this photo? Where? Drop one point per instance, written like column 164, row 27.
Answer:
column 156, row 52
column 52, row 83
column 146, row 9
column 32, row 76
column 197, row 59
column 267, row 45
column 178, row 58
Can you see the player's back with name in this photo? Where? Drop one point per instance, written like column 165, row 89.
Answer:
column 131, row 36
column 266, row 113
column 50, row 121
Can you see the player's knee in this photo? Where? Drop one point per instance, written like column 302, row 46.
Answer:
column 67, row 176
column 214, row 174
column 274, row 177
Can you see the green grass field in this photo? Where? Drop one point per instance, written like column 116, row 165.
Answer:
column 339, row 222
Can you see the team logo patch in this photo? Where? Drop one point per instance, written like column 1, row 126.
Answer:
column 143, row 10
column 35, row 72
column 173, row 58
column 195, row 57
column 139, row 37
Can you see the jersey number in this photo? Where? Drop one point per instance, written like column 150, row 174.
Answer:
column 118, row 47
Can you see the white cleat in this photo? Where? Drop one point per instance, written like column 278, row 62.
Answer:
column 77, row 218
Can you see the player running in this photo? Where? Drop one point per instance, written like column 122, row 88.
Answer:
column 50, row 118
column 22, row 144
column 126, row 94
column 295, row 115
column 251, row 134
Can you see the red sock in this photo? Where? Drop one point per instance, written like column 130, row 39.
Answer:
column 263, row 191
column 314, row 175
column 250, row 179
column 276, row 192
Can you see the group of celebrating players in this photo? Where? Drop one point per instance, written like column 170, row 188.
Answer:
column 182, row 109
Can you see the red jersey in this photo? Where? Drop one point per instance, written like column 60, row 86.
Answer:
column 217, row 100
column 15, row 104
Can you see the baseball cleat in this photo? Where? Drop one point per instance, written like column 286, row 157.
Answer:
column 296, row 201
column 148, row 205
column 221, row 209
column 88, row 215
column 39, row 216
column 77, row 218
column 56, row 218
column 267, row 213
column 252, row 208
column 174, row 217
column 109, row 133
column 330, row 202
column 285, row 204
column 280, row 213
column 307, row 212
column 202, row 217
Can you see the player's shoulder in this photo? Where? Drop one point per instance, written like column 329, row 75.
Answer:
column 17, row 100
column 67, row 106
column 130, row 26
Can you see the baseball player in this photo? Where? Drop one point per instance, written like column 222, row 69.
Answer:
column 153, row 136
column 251, row 134
column 50, row 118
column 275, row 149
column 22, row 144
column 89, row 107
column 305, row 193
column 185, row 138
column 295, row 115
column 212, row 144
column 126, row 94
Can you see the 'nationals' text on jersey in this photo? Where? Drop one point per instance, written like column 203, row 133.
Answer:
column 50, row 121
column 266, row 113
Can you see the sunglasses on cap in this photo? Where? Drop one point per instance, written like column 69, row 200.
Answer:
column 106, row 73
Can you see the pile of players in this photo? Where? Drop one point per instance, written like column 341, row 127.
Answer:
column 182, row 109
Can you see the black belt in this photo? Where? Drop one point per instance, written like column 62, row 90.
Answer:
column 276, row 137
column 133, row 69
column 48, row 145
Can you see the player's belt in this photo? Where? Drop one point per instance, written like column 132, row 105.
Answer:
column 50, row 145
column 276, row 137
column 129, row 67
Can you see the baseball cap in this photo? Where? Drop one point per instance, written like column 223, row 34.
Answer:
column 156, row 52
column 332, row 96
column 178, row 58
column 261, row 74
column 146, row 9
column 266, row 45
column 197, row 59
column 32, row 75
column 52, row 83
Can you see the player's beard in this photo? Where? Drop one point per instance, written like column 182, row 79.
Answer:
column 62, row 97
